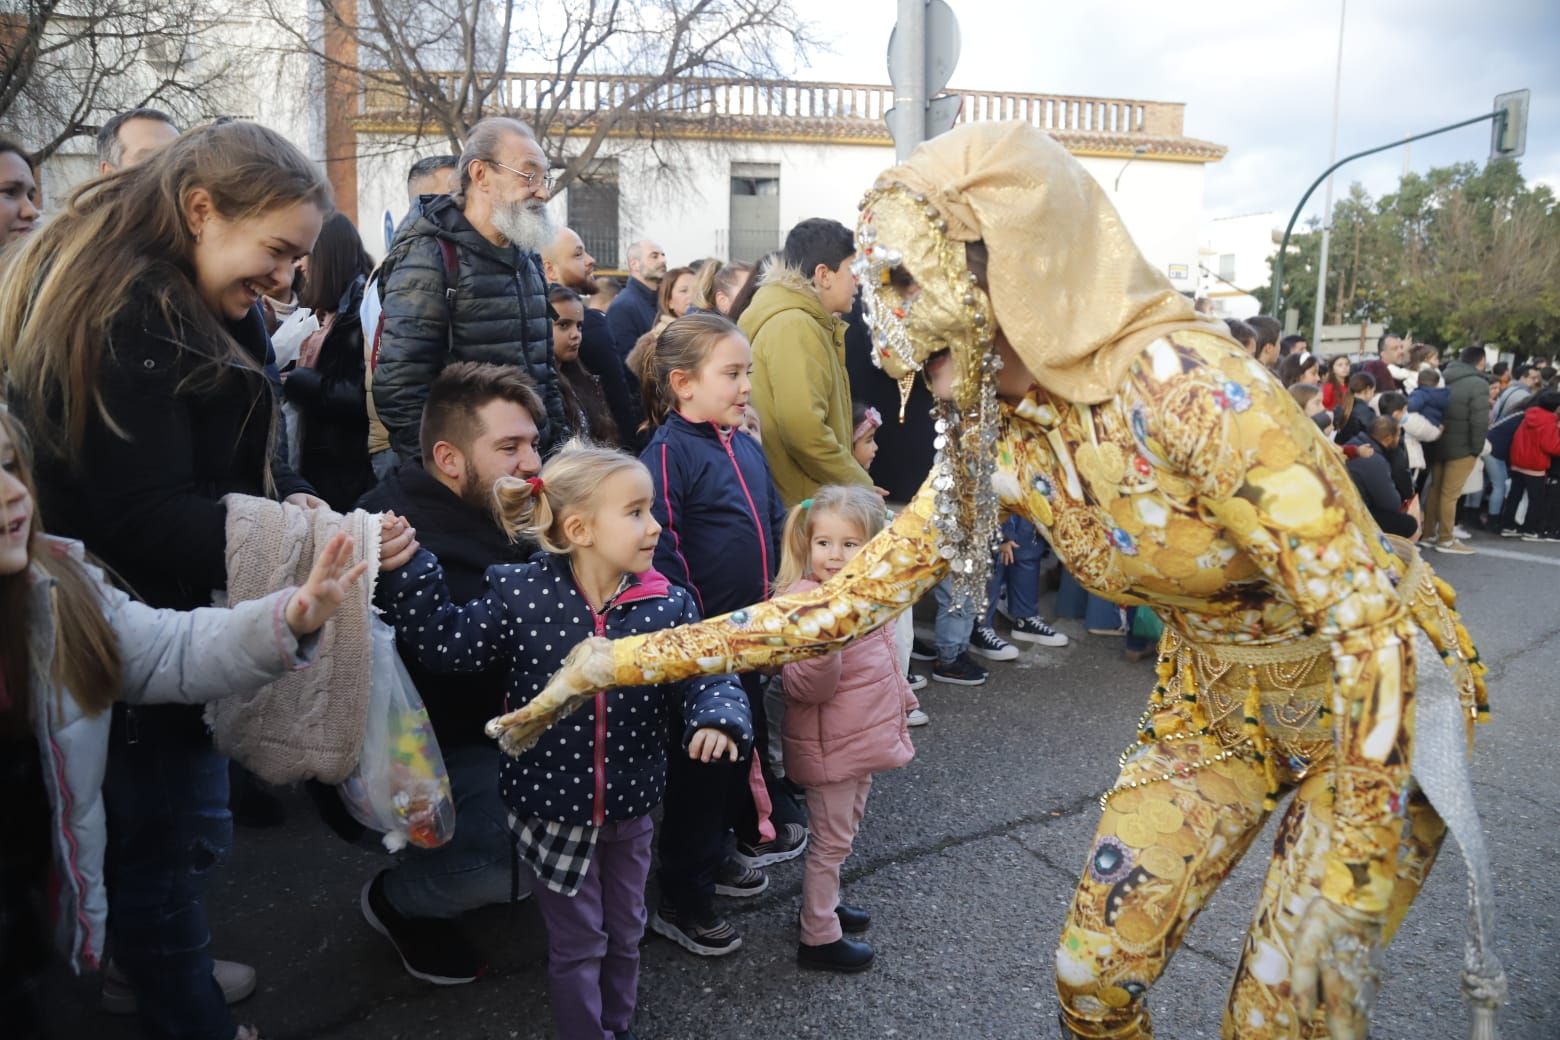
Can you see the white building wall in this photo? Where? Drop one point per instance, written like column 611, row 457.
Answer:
column 688, row 212
column 1249, row 240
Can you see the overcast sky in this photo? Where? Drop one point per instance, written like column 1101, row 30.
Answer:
column 1256, row 76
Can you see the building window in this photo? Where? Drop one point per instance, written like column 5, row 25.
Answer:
column 593, row 211
column 1227, row 266
column 755, row 210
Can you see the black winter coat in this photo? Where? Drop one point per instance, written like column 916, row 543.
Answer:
column 333, row 443
column 148, row 503
column 631, row 314
column 467, row 542
column 607, row 761
column 600, row 357
column 496, row 312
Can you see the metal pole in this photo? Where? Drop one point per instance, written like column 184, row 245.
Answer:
column 1327, row 205
column 910, row 95
column 1283, row 248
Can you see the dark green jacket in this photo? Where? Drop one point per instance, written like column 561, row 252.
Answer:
column 1467, row 418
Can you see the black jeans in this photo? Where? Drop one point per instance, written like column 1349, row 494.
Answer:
column 705, row 802
column 1533, row 488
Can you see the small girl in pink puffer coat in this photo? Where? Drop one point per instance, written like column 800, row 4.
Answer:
column 844, row 720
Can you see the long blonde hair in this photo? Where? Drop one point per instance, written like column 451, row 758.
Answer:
column 569, row 484
column 126, row 235
column 86, row 658
column 861, row 506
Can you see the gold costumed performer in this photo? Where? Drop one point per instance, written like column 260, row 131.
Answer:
column 1304, row 654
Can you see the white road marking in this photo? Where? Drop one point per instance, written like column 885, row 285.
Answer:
column 1503, row 554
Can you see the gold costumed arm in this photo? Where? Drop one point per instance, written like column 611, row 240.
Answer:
column 1284, row 498
column 886, row 577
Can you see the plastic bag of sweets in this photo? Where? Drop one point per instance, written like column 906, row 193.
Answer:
column 400, row 786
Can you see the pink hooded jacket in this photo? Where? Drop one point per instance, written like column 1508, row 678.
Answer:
column 845, row 712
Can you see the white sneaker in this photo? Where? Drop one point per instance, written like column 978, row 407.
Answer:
column 237, row 982
column 917, row 717
column 1461, row 533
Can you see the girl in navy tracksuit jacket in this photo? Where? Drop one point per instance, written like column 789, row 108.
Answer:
column 580, row 798
column 721, row 525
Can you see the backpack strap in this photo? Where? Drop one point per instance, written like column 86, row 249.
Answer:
column 451, row 268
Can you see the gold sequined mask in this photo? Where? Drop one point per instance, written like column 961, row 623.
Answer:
column 942, row 309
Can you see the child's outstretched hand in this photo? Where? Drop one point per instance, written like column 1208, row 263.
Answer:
column 397, row 542
column 710, row 744
column 320, row 597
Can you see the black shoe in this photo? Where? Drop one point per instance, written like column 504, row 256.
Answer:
column 790, row 841
column 843, row 955
column 961, row 671
column 985, row 642
column 733, row 878
column 853, row 919
column 712, row 938
column 922, row 651
column 431, row 949
column 916, row 680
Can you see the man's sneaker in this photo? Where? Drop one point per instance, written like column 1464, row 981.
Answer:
column 237, row 982
column 1532, row 537
column 917, row 717
column 1511, row 532
column 431, row 948
column 712, row 938
column 1035, row 630
column 1456, row 548
column 789, row 842
column 916, row 680
column 735, row 879
column 985, row 642
column 920, row 650
column 1460, row 533
column 960, row 671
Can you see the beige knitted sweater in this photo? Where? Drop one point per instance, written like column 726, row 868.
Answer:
column 308, row 724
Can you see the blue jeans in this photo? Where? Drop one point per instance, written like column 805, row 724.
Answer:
column 951, row 632
column 1074, row 601
column 480, row 865
column 1021, row 578
column 166, row 795
column 1499, row 476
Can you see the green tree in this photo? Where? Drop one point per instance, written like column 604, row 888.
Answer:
column 1461, row 255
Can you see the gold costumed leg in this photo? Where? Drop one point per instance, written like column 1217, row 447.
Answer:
column 1262, row 1004
column 1161, row 849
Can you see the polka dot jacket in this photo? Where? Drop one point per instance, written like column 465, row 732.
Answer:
column 607, row 761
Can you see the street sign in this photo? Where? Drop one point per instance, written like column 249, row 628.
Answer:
column 942, row 49
column 1508, row 135
column 922, row 52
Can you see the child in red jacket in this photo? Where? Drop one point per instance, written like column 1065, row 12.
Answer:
column 844, row 720
column 1534, row 448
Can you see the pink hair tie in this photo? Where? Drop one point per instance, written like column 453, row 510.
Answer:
column 537, row 487
column 870, row 421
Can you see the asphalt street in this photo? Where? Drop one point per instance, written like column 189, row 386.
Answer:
column 967, row 860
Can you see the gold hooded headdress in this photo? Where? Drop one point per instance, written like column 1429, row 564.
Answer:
column 1064, row 283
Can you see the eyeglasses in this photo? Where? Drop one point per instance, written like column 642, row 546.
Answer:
column 530, row 178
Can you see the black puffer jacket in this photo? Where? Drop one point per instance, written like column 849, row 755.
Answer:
column 498, row 308
column 333, row 443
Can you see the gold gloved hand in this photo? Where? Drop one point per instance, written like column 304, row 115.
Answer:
column 1337, row 966
column 585, row 672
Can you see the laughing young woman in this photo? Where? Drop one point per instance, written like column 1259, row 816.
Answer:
column 135, row 352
